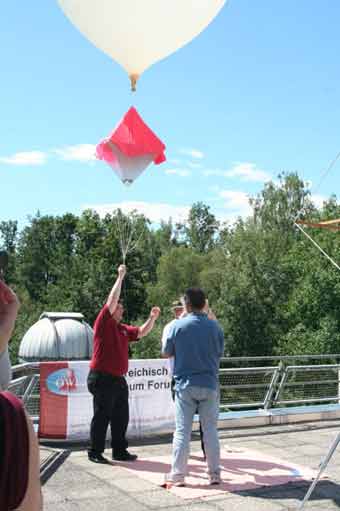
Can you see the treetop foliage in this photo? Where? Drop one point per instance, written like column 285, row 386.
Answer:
column 271, row 290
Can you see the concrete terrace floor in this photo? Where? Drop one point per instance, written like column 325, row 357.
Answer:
column 73, row 483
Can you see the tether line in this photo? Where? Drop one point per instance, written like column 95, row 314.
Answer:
column 317, row 246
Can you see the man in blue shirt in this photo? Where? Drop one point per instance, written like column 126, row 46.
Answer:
column 196, row 342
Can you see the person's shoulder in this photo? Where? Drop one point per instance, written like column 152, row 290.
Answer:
column 185, row 322
column 103, row 318
column 169, row 325
column 175, row 326
column 104, row 312
column 217, row 326
column 213, row 324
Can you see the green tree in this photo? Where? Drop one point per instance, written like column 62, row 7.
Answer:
column 201, row 228
column 277, row 206
column 177, row 270
column 8, row 242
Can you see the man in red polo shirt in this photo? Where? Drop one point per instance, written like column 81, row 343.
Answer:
column 106, row 379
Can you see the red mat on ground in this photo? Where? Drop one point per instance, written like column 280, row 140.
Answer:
column 242, row 469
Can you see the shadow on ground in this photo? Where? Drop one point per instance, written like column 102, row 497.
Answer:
column 325, row 490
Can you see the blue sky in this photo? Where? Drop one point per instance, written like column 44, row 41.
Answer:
column 257, row 93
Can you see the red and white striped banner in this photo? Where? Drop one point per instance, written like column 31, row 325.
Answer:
column 66, row 405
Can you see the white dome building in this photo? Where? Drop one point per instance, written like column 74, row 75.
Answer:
column 57, row 336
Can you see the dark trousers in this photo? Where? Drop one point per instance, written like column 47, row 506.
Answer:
column 110, row 406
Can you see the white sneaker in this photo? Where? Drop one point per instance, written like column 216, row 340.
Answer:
column 215, row 479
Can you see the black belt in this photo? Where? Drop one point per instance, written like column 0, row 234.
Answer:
column 107, row 375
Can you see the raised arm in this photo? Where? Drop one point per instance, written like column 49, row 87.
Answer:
column 150, row 322
column 113, row 298
column 9, row 306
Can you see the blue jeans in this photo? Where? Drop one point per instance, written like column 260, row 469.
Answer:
column 187, row 401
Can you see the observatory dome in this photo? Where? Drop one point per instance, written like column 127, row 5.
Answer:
column 57, row 336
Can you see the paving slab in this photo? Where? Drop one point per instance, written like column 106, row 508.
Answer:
column 78, row 484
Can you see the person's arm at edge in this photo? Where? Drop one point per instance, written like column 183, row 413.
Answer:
column 9, row 305
column 113, row 298
column 146, row 328
column 33, row 499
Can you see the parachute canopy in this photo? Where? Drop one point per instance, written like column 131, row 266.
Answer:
column 131, row 148
column 138, row 33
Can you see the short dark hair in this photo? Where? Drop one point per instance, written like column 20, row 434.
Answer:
column 195, row 297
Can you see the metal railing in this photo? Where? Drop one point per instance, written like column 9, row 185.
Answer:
column 276, row 382
column 246, row 383
column 26, row 384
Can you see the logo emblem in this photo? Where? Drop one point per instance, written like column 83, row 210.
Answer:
column 62, row 382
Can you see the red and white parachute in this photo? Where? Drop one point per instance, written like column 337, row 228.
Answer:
column 131, row 148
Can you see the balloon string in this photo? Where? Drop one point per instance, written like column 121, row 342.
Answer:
column 129, row 238
column 327, row 171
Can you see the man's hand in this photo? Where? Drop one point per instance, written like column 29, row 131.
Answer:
column 208, row 311
column 206, row 306
column 149, row 324
column 155, row 312
column 122, row 271
column 211, row 315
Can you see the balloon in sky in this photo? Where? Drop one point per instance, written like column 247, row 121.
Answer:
column 131, row 148
column 138, row 33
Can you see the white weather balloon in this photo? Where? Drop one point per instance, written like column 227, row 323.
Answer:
column 138, row 33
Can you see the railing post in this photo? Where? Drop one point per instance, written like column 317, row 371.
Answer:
column 29, row 387
column 268, row 400
column 283, row 373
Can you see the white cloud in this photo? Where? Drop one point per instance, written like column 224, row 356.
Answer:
column 193, row 153
column 234, row 199
column 178, row 172
column 236, row 203
column 249, row 172
column 245, row 171
column 194, row 165
column 318, row 200
column 80, row 152
column 183, row 163
column 153, row 211
column 25, row 158
column 214, row 172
